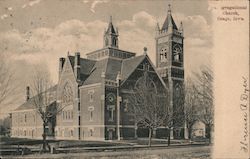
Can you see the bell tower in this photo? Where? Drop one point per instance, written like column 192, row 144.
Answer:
column 169, row 63
column 110, row 38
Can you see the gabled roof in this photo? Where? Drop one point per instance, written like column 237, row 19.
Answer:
column 169, row 21
column 30, row 103
column 129, row 65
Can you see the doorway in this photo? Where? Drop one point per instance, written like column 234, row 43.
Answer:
column 110, row 134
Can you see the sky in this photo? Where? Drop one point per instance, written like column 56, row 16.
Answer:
column 38, row 32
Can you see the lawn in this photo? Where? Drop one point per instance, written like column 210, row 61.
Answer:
column 70, row 146
column 8, row 142
column 202, row 152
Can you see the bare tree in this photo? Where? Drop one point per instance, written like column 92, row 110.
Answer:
column 150, row 107
column 44, row 100
column 191, row 105
column 205, row 92
column 5, row 79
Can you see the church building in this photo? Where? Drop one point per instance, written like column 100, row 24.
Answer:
column 93, row 90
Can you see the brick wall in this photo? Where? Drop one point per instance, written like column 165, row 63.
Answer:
column 92, row 112
column 26, row 124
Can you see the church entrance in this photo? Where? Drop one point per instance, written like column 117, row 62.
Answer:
column 110, row 134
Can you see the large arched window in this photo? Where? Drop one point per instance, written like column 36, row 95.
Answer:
column 145, row 88
column 177, row 52
column 67, row 95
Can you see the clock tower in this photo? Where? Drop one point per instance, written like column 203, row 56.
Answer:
column 169, row 63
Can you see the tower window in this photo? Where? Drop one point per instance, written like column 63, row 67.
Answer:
column 163, row 54
column 176, row 57
column 114, row 41
column 177, row 51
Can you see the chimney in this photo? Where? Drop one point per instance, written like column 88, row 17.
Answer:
column 77, row 66
column 145, row 49
column 27, row 93
column 61, row 63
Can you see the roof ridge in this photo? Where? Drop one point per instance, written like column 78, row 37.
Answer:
column 133, row 57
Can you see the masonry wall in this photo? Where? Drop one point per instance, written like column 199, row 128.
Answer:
column 26, row 124
column 92, row 112
column 67, row 93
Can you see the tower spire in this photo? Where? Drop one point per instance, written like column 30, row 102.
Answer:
column 169, row 21
column 111, row 35
column 169, row 8
column 110, row 19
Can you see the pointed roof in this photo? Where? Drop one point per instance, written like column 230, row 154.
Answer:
column 112, row 67
column 169, row 21
column 129, row 65
column 109, row 66
column 111, row 28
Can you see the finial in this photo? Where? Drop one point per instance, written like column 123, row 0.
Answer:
column 145, row 50
column 169, row 8
column 110, row 19
column 68, row 53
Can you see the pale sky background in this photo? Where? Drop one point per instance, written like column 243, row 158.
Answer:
column 40, row 31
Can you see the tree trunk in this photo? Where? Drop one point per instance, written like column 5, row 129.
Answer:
column 169, row 134
column 44, row 137
column 190, row 134
column 149, row 137
column 208, row 132
column 154, row 133
column 210, row 137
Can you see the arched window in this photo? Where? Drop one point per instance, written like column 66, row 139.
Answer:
column 67, row 96
column 177, row 52
column 114, row 41
column 145, row 88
